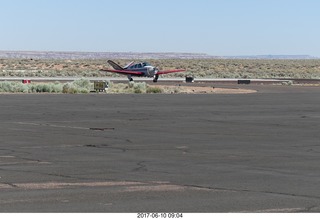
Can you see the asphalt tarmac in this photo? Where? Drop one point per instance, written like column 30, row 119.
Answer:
column 256, row 152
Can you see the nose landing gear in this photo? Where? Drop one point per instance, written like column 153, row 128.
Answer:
column 155, row 78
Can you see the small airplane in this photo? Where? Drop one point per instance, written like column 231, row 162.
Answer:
column 143, row 69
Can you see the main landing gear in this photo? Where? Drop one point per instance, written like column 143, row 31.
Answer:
column 130, row 78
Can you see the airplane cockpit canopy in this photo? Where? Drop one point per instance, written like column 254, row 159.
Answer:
column 145, row 64
column 140, row 65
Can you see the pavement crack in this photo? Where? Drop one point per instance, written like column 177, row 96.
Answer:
column 64, row 176
column 96, row 146
column 253, row 191
column 10, row 185
column 105, row 146
column 101, row 129
column 141, row 166
column 41, row 173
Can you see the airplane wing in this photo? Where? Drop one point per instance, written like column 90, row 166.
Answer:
column 124, row 72
column 170, row 71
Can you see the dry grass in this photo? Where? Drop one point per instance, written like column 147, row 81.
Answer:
column 212, row 68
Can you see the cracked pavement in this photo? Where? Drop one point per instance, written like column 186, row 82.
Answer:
column 255, row 152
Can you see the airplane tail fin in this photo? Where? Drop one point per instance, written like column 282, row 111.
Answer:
column 115, row 65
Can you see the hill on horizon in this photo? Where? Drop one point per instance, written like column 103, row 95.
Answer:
column 133, row 55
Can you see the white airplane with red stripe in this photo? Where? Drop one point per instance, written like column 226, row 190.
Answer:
column 142, row 69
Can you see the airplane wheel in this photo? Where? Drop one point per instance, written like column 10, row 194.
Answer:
column 155, row 78
column 131, row 79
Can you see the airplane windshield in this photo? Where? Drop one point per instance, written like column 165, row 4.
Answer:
column 145, row 64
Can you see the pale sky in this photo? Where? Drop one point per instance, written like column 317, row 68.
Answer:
column 215, row 27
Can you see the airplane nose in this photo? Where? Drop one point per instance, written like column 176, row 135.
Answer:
column 150, row 69
column 155, row 69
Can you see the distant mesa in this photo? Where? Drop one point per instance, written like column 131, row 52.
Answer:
column 100, row 55
column 132, row 55
column 273, row 57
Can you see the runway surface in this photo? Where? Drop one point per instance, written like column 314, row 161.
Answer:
column 148, row 80
column 256, row 152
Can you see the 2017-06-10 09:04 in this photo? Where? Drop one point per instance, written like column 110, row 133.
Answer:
column 159, row 215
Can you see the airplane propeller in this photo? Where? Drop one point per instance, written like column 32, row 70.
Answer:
column 153, row 70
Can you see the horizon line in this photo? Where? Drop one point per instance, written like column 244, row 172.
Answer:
column 307, row 56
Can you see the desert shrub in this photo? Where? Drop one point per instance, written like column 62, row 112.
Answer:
column 20, row 88
column 82, row 83
column 69, row 88
column 219, row 68
column 131, row 87
column 40, row 88
column 131, row 84
column 117, row 87
column 46, row 88
column 139, row 88
column 172, row 90
column 77, row 86
column 12, row 87
column 287, row 83
column 6, row 86
column 154, row 90
column 57, row 87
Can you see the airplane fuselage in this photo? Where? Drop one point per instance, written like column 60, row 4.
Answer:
column 145, row 68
